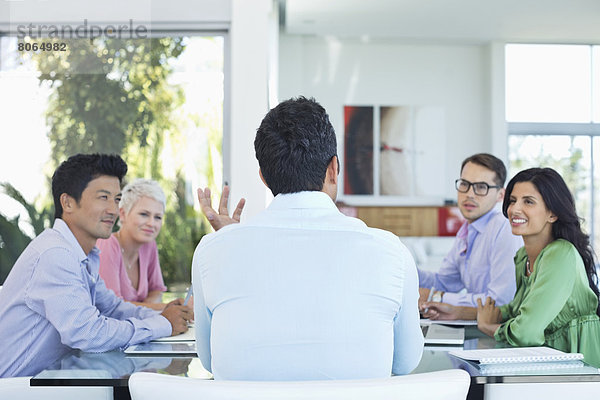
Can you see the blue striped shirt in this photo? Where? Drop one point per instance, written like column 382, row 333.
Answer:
column 486, row 269
column 54, row 300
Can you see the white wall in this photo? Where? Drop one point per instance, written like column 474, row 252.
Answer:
column 340, row 72
column 250, row 28
column 497, row 79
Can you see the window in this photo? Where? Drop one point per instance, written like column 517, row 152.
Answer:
column 553, row 114
column 158, row 101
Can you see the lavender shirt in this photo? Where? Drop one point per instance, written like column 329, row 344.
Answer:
column 53, row 300
column 486, row 269
column 114, row 273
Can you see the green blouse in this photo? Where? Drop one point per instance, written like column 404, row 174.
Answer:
column 554, row 306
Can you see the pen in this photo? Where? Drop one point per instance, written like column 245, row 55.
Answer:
column 189, row 293
column 428, row 298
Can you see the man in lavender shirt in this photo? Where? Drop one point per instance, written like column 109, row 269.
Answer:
column 480, row 263
column 53, row 299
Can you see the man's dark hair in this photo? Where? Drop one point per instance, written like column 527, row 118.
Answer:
column 72, row 176
column 294, row 144
column 490, row 162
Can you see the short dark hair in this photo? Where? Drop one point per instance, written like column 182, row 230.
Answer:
column 560, row 202
column 72, row 176
column 490, row 162
column 294, row 144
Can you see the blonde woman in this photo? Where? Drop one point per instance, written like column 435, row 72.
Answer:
column 129, row 258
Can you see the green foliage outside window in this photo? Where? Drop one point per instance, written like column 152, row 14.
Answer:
column 114, row 96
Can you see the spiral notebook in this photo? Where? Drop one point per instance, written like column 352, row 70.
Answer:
column 556, row 367
column 515, row 355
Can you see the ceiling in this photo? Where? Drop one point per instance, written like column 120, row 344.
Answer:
column 464, row 21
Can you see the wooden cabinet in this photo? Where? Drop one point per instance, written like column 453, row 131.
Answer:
column 403, row 221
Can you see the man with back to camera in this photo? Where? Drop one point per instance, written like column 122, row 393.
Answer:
column 53, row 299
column 300, row 291
column 482, row 257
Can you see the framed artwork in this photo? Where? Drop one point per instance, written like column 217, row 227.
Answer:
column 358, row 150
column 393, row 155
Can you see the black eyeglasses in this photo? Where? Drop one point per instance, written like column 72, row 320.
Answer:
column 479, row 188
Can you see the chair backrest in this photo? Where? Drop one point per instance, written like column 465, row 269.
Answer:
column 449, row 384
column 19, row 389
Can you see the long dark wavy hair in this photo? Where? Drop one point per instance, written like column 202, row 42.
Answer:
column 559, row 200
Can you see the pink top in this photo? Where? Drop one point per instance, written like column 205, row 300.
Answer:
column 112, row 270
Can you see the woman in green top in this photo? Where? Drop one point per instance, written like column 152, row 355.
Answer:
column 556, row 303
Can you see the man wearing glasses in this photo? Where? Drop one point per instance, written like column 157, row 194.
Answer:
column 480, row 263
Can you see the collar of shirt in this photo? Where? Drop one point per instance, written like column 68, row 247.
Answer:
column 480, row 223
column 468, row 231
column 521, row 256
column 61, row 227
column 309, row 199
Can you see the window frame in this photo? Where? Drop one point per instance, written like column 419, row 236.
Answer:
column 590, row 129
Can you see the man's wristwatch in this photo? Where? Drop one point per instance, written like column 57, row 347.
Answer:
column 437, row 296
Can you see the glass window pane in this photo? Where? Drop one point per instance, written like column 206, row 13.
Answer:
column 157, row 101
column 548, row 83
column 570, row 156
column 23, row 102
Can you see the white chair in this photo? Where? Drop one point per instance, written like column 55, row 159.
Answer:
column 450, row 384
column 19, row 389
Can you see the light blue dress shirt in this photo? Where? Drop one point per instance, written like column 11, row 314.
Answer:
column 487, row 268
column 54, row 300
column 302, row 292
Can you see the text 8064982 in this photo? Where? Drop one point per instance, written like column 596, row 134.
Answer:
column 44, row 46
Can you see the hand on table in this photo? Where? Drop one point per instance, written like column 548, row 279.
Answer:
column 423, row 296
column 489, row 316
column 190, row 302
column 436, row 310
column 222, row 218
column 178, row 315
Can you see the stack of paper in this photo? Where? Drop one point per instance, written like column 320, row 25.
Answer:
column 516, row 355
column 188, row 336
column 183, row 344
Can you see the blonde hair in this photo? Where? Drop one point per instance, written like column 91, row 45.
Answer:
column 135, row 190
